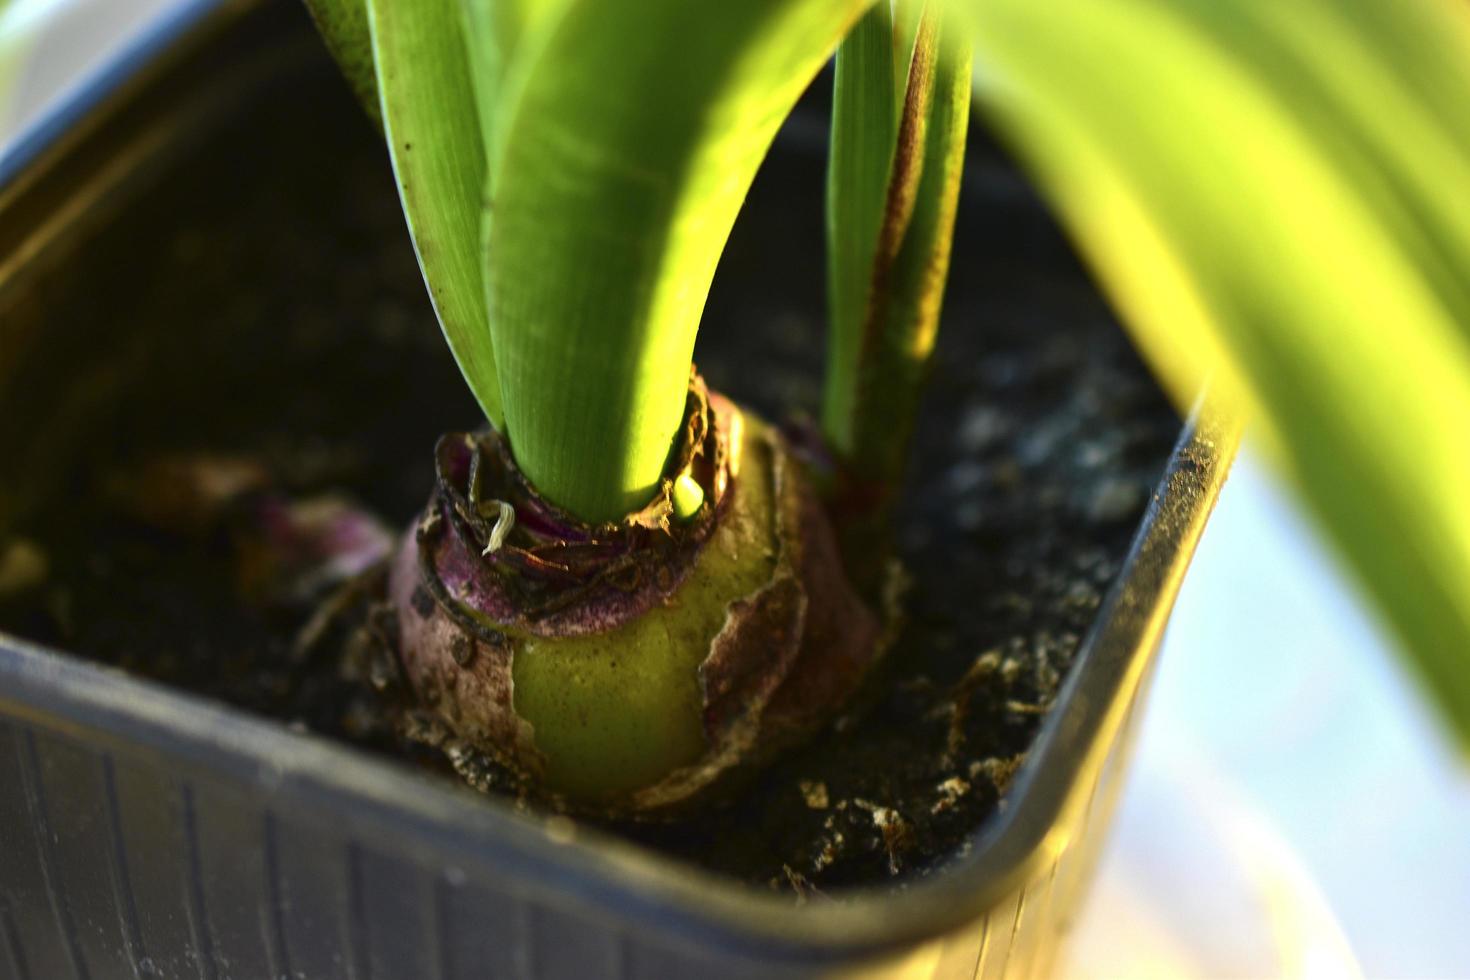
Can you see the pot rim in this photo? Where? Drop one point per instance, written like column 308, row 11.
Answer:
column 75, row 103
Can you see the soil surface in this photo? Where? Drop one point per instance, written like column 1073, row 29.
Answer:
column 259, row 320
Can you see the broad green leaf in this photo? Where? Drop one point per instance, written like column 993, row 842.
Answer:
column 892, row 196
column 432, row 126
column 1275, row 192
column 625, row 142
column 344, row 26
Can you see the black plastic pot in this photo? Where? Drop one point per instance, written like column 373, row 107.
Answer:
column 145, row 832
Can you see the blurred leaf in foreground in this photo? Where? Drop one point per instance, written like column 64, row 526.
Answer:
column 1277, row 197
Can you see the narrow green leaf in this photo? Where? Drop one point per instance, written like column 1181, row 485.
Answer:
column 1274, row 192
column 625, row 143
column 911, row 266
column 885, row 302
column 906, row 17
column 860, row 155
column 433, row 131
column 344, row 26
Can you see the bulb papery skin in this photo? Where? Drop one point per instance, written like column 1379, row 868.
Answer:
column 684, row 654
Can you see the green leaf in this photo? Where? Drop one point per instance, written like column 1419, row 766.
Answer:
column 433, row 130
column 911, row 266
column 344, row 26
column 860, row 155
column 903, row 31
column 493, row 29
column 1275, row 193
column 892, row 194
column 626, row 139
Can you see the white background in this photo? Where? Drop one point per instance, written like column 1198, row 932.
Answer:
column 1291, row 812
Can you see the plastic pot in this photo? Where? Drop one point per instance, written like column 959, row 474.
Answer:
column 146, row 832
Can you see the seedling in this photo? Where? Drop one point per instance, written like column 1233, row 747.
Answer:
column 628, row 589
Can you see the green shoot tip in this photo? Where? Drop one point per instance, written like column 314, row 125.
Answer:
column 688, row 497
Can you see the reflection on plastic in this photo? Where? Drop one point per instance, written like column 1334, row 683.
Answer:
column 1199, row 883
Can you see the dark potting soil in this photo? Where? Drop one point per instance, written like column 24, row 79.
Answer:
column 260, row 311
